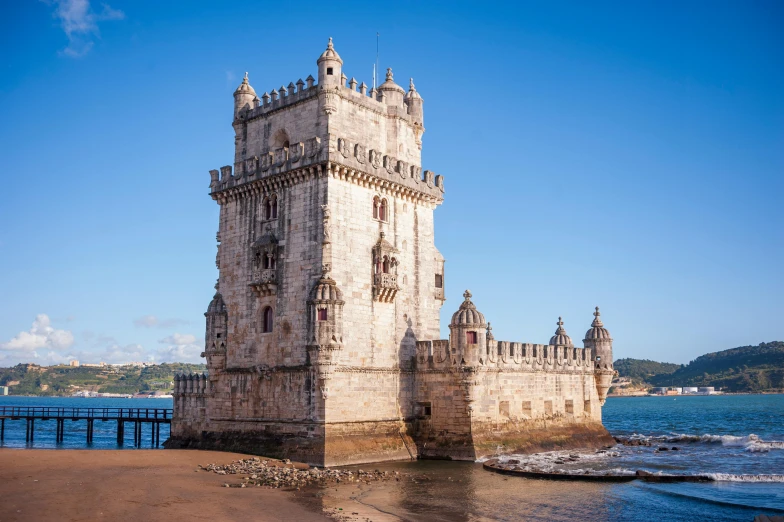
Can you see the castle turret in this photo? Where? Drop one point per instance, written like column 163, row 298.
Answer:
column 468, row 333
column 330, row 67
column 392, row 92
column 599, row 341
column 325, row 329
column 215, row 335
column 244, row 97
column 414, row 102
column 561, row 338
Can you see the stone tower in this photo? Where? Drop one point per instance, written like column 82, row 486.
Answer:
column 328, row 268
column 322, row 340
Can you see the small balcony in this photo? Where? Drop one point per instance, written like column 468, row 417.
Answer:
column 265, row 281
column 385, row 287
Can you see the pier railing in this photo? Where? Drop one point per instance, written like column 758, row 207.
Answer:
column 138, row 416
column 47, row 412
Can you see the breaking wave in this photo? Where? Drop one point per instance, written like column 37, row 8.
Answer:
column 751, row 442
column 729, row 477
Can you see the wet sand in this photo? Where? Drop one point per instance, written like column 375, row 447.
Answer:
column 133, row 485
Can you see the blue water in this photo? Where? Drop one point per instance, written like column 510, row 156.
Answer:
column 732, row 438
column 75, row 433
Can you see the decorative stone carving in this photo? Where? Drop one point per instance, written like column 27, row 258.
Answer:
column 266, row 161
column 375, row 159
column 360, row 152
column 325, row 221
column 281, row 155
column 295, row 152
column 251, row 164
column 313, row 147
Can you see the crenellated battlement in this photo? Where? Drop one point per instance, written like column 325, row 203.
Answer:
column 355, row 161
column 507, row 355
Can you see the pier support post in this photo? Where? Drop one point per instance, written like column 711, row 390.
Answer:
column 2, row 430
column 157, row 434
column 90, row 431
column 120, row 434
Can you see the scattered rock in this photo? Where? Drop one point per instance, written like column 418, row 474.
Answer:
column 285, row 474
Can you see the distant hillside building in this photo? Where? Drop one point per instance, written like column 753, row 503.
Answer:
column 322, row 339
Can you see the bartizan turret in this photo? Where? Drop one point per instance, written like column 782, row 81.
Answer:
column 467, row 333
column 330, row 67
column 244, row 97
column 599, row 341
column 215, row 335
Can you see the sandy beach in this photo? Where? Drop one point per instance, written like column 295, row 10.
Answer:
column 132, row 485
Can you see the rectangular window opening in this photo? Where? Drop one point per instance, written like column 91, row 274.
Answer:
column 527, row 410
column 471, row 337
column 439, row 281
column 329, row 71
column 322, row 314
column 548, row 407
column 569, row 406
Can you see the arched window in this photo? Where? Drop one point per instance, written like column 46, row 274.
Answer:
column 266, row 325
column 269, row 262
column 386, row 265
column 322, row 314
column 379, row 265
column 382, row 210
column 375, row 207
column 271, row 207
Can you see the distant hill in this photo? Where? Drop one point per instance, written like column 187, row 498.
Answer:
column 31, row 379
column 743, row 369
column 642, row 370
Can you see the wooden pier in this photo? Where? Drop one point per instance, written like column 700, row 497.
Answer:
column 137, row 416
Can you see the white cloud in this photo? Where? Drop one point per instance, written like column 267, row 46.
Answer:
column 190, row 353
column 179, row 339
column 180, row 348
column 80, row 23
column 151, row 321
column 41, row 335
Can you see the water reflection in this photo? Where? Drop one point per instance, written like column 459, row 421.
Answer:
column 463, row 491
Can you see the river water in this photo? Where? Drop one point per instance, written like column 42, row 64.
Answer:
column 738, row 440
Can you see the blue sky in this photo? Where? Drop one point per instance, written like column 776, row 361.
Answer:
column 625, row 154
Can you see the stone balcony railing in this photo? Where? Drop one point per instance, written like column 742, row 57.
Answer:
column 265, row 281
column 385, row 287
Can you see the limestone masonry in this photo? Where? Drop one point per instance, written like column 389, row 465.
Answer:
column 322, row 338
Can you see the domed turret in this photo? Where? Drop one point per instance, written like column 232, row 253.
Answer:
column 467, row 314
column 330, row 67
column 244, row 96
column 468, row 333
column 599, row 341
column 597, row 332
column 561, row 338
column 216, row 306
column 215, row 338
column 414, row 102
column 393, row 92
